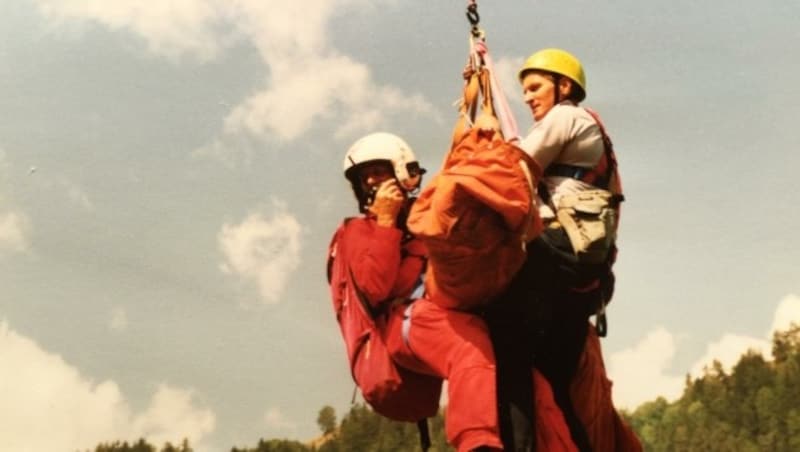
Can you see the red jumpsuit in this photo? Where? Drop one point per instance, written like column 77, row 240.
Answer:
column 590, row 392
column 430, row 339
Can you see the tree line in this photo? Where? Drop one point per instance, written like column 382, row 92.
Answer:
column 755, row 407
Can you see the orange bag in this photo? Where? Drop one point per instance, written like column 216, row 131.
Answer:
column 477, row 213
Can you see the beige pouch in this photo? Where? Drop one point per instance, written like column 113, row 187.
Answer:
column 589, row 219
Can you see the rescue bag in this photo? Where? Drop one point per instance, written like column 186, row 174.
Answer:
column 476, row 215
column 390, row 390
column 589, row 220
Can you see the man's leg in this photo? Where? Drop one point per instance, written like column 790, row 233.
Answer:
column 590, row 392
column 452, row 345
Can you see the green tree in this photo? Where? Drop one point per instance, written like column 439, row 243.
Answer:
column 327, row 419
column 122, row 446
column 362, row 429
column 276, row 445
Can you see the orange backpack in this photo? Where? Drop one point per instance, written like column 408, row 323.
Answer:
column 478, row 212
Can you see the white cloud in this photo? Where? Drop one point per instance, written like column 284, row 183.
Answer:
column 728, row 349
column 275, row 419
column 263, row 251
column 46, row 404
column 307, row 79
column 170, row 28
column 119, row 320
column 639, row 373
column 171, row 416
column 14, row 232
column 306, row 88
column 788, row 311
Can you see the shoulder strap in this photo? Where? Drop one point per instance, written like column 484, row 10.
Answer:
column 332, row 248
column 372, row 312
column 600, row 175
column 604, row 181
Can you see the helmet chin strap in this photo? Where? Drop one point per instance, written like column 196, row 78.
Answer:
column 557, row 88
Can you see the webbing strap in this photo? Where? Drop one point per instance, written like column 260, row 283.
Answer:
column 564, row 170
column 508, row 124
column 593, row 175
column 608, row 148
column 532, row 210
column 405, row 329
column 372, row 311
column 424, row 435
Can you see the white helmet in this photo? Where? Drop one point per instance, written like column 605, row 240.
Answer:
column 382, row 146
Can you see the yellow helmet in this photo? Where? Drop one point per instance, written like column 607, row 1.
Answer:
column 558, row 62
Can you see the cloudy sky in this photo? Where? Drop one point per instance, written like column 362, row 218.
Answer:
column 170, row 175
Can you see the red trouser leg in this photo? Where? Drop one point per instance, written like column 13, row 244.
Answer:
column 455, row 346
column 590, row 392
column 552, row 433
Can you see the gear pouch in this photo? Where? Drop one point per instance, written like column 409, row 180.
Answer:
column 589, row 219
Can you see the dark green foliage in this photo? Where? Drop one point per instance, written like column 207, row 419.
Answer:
column 142, row 446
column 363, row 430
column 327, row 419
column 754, row 408
column 277, row 445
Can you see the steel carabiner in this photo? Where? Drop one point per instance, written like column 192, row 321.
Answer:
column 474, row 18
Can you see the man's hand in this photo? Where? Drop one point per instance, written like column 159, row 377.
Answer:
column 387, row 204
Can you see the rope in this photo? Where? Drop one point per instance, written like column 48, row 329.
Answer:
column 479, row 57
column 508, row 124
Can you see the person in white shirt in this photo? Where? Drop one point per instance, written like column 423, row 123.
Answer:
column 571, row 146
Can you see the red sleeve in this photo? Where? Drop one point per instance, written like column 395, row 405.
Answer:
column 373, row 255
column 411, row 267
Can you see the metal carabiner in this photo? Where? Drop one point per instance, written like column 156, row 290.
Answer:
column 474, row 18
column 601, row 322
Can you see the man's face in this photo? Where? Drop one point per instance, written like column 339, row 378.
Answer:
column 372, row 174
column 539, row 93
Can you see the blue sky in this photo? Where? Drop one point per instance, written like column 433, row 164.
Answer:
column 170, row 175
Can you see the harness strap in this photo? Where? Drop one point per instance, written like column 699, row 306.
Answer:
column 372, row 311
column 603, row 175
column 406, row 326
column 424, row 435
column 599, row 175
column 565, row 170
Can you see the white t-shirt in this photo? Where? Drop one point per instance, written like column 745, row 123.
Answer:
column 569, row 135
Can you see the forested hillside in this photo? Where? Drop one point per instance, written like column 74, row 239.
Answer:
column 755, row 407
